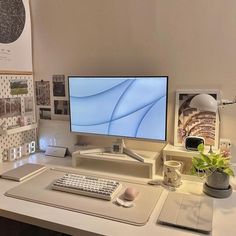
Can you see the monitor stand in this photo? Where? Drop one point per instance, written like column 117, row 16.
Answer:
column 118, row 148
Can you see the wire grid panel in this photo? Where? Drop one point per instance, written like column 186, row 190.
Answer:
column 17, row 139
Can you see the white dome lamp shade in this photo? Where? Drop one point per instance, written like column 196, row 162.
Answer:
column 204, row 102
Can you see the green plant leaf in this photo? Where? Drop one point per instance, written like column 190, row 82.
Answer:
column 193, row 170
column 200, row 147
column 214, row 161
column 221, row 162
column 204, row 167
column 229, row 171
column 205, row 164
column 206, row 158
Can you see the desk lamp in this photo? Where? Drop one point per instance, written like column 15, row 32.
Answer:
column 205, row 102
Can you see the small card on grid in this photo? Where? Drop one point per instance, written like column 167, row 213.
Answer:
column 22, row 172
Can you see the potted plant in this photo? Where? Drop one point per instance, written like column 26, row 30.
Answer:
column 216, row 169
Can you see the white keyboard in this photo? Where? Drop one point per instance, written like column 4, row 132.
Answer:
column 88, row 186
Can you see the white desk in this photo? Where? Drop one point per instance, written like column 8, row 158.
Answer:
column 80, row 224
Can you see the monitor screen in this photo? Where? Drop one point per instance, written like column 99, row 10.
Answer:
column 131, row 107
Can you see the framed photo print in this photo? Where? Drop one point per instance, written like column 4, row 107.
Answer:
column 192, row 122
column 43, row 93
column 29, row 105
column 45, row 113
column 59, row 89
column 18, row 87
column 60, row 111
column 61, row 107
column 10, row 107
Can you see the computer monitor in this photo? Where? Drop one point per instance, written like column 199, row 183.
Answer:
column 119, row 106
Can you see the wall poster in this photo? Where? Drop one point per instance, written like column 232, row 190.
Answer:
column 192, row 122
column 42, row 93
column 15, row 36
column 59, row 89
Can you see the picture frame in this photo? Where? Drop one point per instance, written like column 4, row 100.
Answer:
column 59, row 85
column 28, row 105
column 42, row 93
column 45, row 113
column 60, row 109
column 192, row 122
column 18, row 87
column 10, row 107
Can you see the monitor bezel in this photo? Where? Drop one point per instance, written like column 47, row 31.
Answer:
column 121, row 76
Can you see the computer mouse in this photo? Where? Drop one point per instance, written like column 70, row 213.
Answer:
column 130, row 193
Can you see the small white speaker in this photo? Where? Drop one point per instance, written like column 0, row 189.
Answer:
column 55, row 151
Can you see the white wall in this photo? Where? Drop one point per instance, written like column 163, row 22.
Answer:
column 193, row 42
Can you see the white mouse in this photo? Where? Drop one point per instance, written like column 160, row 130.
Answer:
column 130, row 194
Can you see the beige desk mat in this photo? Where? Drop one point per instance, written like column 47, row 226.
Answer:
column 38, row 189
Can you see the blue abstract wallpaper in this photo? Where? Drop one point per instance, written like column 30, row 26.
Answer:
column 125, row 107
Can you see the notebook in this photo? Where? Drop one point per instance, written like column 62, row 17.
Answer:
column 22, row 172
column 187, row 211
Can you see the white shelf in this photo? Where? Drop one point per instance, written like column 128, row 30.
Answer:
column 18, row 129
column 117, row 162
column 170, row 150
